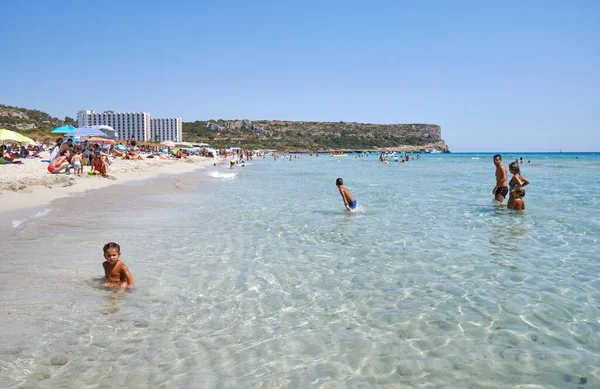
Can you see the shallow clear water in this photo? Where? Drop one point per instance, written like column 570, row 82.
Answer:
column 258, row 277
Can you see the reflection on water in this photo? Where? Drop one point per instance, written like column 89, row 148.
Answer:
column 252, row 281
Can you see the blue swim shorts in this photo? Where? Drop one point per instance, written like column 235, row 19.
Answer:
column 352, row 204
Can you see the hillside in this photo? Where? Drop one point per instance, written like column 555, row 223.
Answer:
column 29, row 121
column 267, row 134
column 296, row 136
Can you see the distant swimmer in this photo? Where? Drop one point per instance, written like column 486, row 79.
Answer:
column 116, row 272
column 349, row 201
column 501, row 189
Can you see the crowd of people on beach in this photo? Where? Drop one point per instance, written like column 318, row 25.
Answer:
column 14, row 153
column 68, row 156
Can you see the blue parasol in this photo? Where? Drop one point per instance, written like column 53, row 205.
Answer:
column 63, row 129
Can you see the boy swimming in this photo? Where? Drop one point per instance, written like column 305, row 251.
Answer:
column 349, row 201
column 116, row 272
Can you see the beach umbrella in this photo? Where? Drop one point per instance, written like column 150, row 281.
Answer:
column 12, row 136
column 108, row 130
column 86, row 131
column 63, row 129
column 99, row 140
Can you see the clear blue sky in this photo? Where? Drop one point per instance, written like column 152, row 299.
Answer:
column 496, row 76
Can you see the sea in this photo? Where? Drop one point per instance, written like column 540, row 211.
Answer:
column 257, row 277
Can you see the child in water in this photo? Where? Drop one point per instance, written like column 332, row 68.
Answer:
column 116, row 272
column 349, row 201
column 518, row 204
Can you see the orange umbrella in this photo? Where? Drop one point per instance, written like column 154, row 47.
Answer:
column 98, row 140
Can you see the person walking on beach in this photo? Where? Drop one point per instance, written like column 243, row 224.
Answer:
column 501, row 189
column 349, row 201
column 77, row 162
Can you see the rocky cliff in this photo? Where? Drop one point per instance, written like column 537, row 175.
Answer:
column 290, row 135
column 269, row 134
column 26, row 120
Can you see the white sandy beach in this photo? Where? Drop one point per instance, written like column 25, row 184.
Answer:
column 30, row 184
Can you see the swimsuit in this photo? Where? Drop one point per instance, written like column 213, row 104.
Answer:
column 502, row 190
column 51, row 168
column 352, row 204
column 76, row 165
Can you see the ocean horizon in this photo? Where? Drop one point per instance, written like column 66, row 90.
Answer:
column 258, row 277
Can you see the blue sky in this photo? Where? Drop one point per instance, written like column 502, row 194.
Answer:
column 496, row 76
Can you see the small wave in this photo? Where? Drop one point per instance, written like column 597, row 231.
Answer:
column 359, row 209
column 19, row 223
column 227, row 176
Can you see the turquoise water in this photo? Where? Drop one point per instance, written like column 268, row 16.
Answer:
column 258, row 277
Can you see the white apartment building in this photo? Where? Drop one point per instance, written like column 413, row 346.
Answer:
column 126, row 124
column 137, row 125
column 166, row 129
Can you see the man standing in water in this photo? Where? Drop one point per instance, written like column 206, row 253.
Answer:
column 501, row 189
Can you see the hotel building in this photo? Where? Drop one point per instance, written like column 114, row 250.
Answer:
column 137, row 125
column 166, row 129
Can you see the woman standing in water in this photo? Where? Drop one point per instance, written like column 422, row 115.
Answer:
column 516, row 183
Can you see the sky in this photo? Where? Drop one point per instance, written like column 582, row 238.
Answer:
column 496, row 76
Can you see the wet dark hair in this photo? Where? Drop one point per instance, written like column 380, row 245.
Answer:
column 111, row 245
column 497, row 156
column 339, row 181
column 515, row 166
column 521, row 192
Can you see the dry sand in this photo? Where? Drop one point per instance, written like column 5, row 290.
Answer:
column 31, row 185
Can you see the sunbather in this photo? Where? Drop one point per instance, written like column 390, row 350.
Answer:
column 99, row 166
column 60, row 163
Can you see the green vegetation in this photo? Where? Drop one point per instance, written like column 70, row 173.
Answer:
column 29, row 121
column 296, row 136
column 261, row 134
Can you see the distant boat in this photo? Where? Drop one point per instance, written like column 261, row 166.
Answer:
column 339, row 155
column 434, row 151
